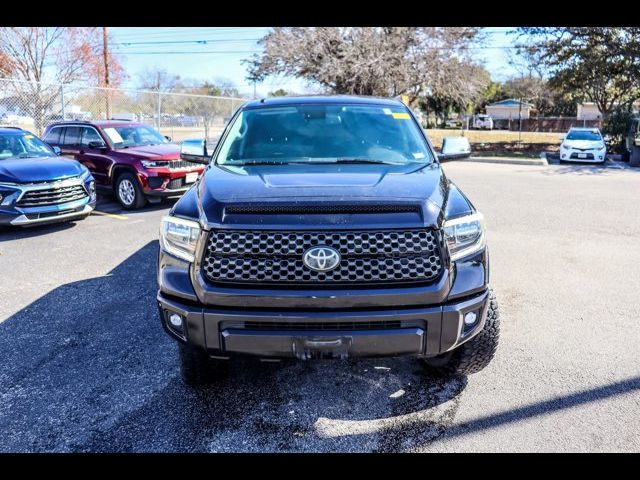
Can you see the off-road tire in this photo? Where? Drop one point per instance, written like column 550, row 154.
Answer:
column 139, row 201
column 197, row 368
column 634, row 158
column 474, row 355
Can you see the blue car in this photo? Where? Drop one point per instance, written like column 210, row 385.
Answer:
column 37, row 185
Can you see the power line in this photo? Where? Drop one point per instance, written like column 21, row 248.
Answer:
column 201, row 42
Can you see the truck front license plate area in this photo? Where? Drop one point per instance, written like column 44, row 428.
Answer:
column 308, row 347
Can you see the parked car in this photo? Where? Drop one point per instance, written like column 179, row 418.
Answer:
column 482, row 121
column 130, row 159
column 453, row 123
column 325, row 227
column 454, row 148
column 583, row 145
column 37, row 186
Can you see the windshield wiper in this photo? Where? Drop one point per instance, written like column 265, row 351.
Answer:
column 264, row 162
column 364, row 160
column 27, row 155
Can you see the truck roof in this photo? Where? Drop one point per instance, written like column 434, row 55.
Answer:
column 324, row 100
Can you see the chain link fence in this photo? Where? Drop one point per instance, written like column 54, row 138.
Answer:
column 34, row 105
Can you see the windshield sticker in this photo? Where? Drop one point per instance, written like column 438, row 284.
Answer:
column 387, row 111
column 401, row 116
column 113, row 134
column 418, row 155
column 29, row 137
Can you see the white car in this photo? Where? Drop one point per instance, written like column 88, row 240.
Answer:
column 583, row 145
column 482, row 121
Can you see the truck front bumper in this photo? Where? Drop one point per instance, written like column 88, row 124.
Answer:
column 422, row 332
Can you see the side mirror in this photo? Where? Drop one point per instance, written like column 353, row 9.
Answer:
column 56, row 150
column 98, row 145
column 168, row 138
column 195, row 150
column 455, row 147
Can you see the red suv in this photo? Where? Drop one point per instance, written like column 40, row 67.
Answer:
column 129, row 158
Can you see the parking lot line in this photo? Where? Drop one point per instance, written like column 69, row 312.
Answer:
column 110, row 215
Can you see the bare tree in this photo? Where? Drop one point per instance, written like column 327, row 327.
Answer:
column 383, row 61
column 158, row 79
column 51, row 54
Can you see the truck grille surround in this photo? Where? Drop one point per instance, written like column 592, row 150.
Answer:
column 276, row 257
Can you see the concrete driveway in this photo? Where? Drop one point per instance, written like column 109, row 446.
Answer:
column 87, row 367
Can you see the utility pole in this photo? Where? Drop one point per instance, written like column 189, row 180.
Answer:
column 254, row 89
column 105, row 53
column 519, row 119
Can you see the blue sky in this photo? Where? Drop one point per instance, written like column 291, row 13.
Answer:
column 220, row 50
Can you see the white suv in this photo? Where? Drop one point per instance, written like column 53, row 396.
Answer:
column 583, row 145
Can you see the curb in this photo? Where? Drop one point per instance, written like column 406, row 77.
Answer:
column 542, row 161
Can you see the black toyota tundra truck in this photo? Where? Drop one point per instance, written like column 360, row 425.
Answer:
column 324, row 227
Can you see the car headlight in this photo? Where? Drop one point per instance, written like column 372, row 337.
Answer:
column 8, row 194
column 152, row 164
column 179, row 237
column 465, row 235
column 564, row 147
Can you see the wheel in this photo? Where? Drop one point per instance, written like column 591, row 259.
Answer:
column 625, row 156
column 474, row 355
column 128, row 191
column 634, row 159
column 197, row 368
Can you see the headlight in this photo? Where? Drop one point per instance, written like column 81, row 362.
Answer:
column 8, row 195
column 151, row 164
column 179, row 237
column 564, row 147
column 465, row 235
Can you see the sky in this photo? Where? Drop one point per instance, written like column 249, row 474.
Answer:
column 212, row 53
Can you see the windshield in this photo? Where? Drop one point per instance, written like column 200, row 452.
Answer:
column 23, row 146
column 324, row 134
column 593, row 135
column 133, row 136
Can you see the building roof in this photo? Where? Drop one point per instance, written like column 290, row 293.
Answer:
column 323, row 99
column 510, row 102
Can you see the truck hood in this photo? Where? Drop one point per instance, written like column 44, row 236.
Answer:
column 414, row 184
column 165, row 151
column 43, row 169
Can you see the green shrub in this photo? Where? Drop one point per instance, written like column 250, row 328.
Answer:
column 616, row 126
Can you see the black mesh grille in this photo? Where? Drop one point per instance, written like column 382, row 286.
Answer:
column 318, row 209
column 276, row 257
column 52, row 195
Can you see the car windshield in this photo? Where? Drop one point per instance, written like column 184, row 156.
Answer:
column 324, row 134
column 593, row 135
column 133, row 136
column 23, row 146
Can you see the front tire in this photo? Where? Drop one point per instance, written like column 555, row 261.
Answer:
column 128, row 192
column 474, row 355
column 197, row 368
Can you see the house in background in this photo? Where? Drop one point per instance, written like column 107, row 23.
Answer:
column 589, row 111
column 509, row 109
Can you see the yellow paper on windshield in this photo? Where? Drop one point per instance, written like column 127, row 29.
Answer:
column 401, row 116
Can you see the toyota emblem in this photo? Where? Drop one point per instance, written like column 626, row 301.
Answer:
column 321, row 259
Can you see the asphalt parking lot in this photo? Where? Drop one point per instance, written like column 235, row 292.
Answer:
column 86, row 365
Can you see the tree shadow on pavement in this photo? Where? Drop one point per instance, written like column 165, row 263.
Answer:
column 88, row 367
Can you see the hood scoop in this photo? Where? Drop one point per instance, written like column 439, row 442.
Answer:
column 335, row 209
